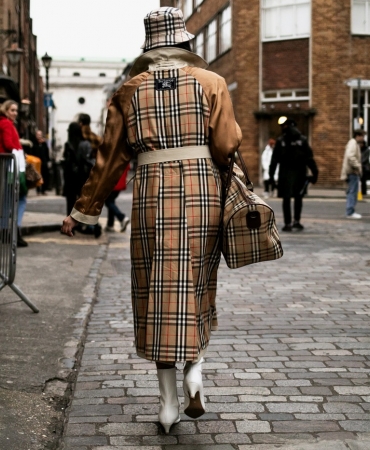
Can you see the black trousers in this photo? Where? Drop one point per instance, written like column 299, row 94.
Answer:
column 298, row 203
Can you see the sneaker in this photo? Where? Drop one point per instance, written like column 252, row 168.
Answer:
column 124, row 224
column 297, row 226
column 354, row 216
column 108, row 229
column 265, row 195
column 287, row 228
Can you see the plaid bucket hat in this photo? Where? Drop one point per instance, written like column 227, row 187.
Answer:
column 165, row 26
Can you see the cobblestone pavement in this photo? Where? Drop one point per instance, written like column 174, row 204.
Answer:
column 289, row 367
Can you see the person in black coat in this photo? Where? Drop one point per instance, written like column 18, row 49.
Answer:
column 41, row 150
column 77, row 163
column 294, row 155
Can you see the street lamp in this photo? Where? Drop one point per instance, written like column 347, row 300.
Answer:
column 46, row 61
column 14, row 54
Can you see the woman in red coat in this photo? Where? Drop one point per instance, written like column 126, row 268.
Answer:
column 9, row 143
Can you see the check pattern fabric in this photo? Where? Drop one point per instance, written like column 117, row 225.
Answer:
column 176, row 210
column 175, row 223
column 241, row 245
column 164, row 27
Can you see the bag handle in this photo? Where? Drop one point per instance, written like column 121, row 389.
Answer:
column 244, row 169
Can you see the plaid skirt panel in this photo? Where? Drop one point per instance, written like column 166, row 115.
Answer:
column 175, row 256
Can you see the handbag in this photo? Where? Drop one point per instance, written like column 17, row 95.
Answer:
column 33, row 176
column 249, row 232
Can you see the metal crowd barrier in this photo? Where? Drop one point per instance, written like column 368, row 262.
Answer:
column 9, row 194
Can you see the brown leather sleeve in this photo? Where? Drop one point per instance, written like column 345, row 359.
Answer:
column 112, row 158
column 224, row 133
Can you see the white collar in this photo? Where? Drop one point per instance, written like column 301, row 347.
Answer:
column 166, row 58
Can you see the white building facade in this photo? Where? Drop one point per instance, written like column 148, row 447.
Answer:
column 79, row 86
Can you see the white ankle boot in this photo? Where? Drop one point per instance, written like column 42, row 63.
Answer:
column 169, row 408
column 193, row 389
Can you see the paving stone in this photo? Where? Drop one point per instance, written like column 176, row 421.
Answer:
column 80, row 429
column 358, row 445
column 130, row 429
column 253, row 426
column 85, row 440
column 95, row 410
column 292, row 408
column 203, row 447
column 232, row 438
column 337, row 407
column 312, row 426
column 196, row 439
column 300, row 446
column 356, row 425
column 216, row 427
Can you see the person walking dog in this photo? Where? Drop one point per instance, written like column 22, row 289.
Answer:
column 178, row 118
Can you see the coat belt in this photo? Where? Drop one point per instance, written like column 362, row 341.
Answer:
column 174, row 154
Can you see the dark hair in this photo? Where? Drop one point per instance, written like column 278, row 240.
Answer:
column 74, row 135
column 85, row 119
column 183, row 45
column 359, row 132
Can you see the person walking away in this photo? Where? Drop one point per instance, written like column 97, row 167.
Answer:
column 84, row 121
column 265, row 162
column 352, row 171
column 113, row 210
column 77, row 165
column 41, row 150
column 179, row 119
column 9, row 143
column 294, row 156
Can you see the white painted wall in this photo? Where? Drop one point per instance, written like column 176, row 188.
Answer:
column 67, row 89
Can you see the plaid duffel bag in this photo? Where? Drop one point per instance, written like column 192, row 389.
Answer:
column 249, row 232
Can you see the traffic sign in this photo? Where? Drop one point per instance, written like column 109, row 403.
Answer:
column 353, row 82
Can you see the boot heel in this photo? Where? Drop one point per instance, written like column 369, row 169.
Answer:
column 195, row 408
column 167, row 426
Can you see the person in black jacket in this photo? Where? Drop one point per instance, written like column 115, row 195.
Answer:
column 76, row 167
column 294, row 155
column 41, row 150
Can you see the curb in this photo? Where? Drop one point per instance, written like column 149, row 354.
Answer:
column 33, row 229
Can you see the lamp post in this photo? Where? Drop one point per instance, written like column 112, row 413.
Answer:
column 46, row 61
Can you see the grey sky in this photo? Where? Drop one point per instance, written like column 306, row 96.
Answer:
column 108, row 29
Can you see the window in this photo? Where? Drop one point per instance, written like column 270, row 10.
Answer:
column 76, row 74
column 212, row 40
column 199, row 44
column 102, row 74
column 285, row 19
column 187, row 7
column 361, row 17
column 225, row 30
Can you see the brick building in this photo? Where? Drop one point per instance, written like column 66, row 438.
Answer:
column 292, row 58
column 21, row 81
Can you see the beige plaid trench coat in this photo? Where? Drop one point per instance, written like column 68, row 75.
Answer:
column 176, row 205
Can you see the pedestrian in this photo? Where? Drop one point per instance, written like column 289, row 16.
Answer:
column 269, row 185
column 40, row 149
column 77, row 165
column 294, row 155
column 352, row 171
column 179, row 119
column 9, row 143
column 84, row 121
column 113, row 210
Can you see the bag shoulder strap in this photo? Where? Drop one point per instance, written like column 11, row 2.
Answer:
column 244, row 169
